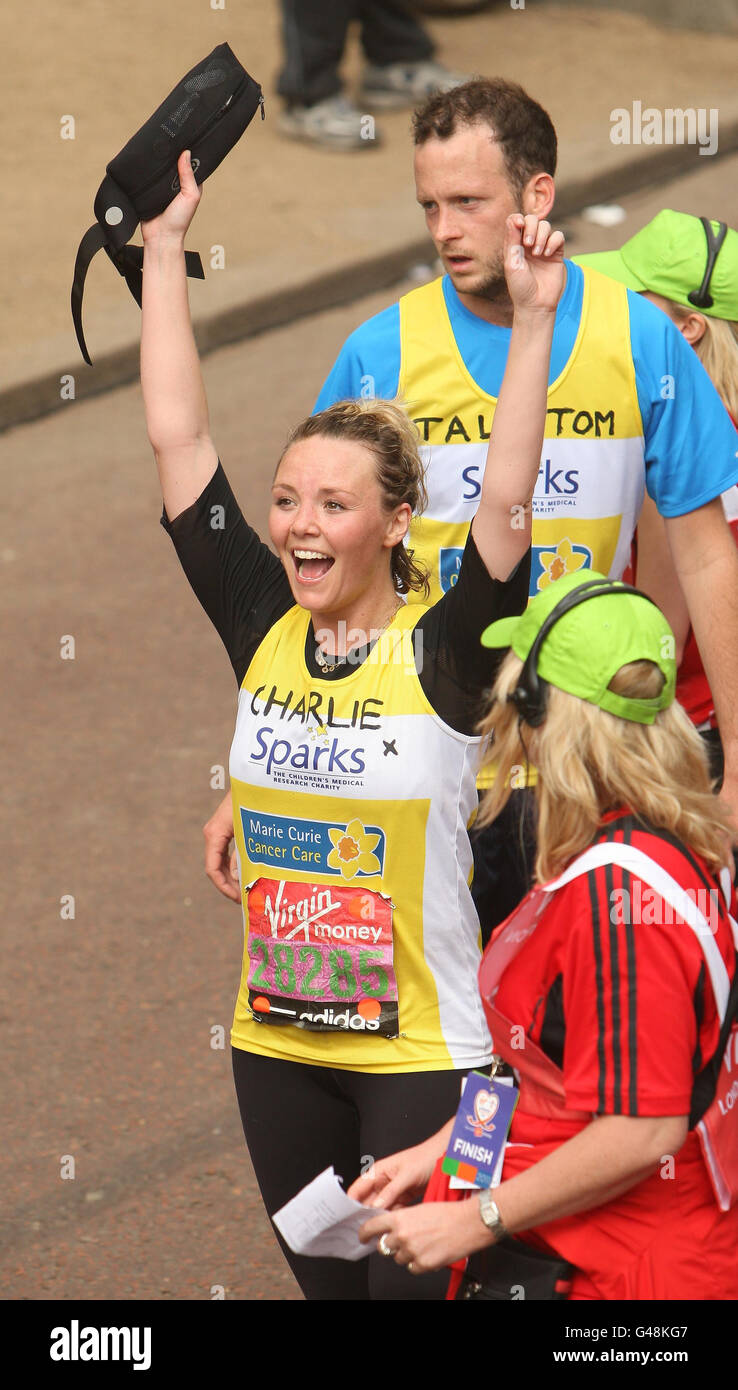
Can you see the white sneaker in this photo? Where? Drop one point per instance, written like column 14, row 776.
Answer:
column 334, row 123
column 402, row 84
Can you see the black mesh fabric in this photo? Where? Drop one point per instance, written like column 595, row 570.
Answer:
column 201, row 82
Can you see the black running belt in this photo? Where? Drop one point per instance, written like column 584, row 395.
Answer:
column 206, row 113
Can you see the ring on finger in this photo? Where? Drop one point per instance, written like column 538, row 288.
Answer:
column 411, row 1267
column 383, row 1247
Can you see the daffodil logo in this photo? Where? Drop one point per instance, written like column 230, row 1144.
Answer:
column 565, row 559
column 352, row 851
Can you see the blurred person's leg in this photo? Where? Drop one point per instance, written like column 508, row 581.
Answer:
column 401, row 65
column 391, row 34
column 314, row 39
column 317, row 110
column 451, row 7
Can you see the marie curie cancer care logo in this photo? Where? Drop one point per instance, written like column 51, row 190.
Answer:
column 449, row 565
column 548, row 563
column 347, row 851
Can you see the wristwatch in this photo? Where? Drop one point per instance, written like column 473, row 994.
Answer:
column 490, row 1214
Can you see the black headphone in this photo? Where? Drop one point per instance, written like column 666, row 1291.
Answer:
column 530, row 694
column 701, row 298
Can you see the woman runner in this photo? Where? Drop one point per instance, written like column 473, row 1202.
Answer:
column 354, row 757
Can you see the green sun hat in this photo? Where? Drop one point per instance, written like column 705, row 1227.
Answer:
column 669, row 257
column 589, row 643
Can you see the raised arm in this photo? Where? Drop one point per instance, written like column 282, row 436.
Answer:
column 174, row 395
column 706, row 563
column 656, row 573
column 536, row 275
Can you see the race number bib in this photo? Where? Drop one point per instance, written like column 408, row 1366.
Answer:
column 321, row 957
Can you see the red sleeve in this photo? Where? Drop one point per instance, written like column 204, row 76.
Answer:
column 635, row 1002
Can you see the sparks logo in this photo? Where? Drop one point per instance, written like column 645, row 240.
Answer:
column 306, row 757
column 557, row 481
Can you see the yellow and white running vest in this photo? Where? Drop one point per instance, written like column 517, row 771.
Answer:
column 351, row 805
column 592, row 475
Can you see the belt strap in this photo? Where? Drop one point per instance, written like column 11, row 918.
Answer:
column 636, row 862
column 128, row 261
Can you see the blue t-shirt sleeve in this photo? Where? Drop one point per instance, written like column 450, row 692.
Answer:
column 368, row 363
column 690, row 440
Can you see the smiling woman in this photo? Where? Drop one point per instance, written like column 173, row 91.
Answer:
column 348, row 482
column 353, row 763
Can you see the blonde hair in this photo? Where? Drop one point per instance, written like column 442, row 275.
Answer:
column 590, row 761
column 717, row 350
column 387, row 431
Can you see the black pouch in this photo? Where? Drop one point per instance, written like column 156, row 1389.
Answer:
column 207, row 112
column 511, row 1270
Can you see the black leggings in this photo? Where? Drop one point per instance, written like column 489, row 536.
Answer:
column 504, row 860
column 300, row 1119
column 315, row 35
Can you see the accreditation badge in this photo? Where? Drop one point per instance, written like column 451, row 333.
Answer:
column 321, row 957
column 477, row 1144
column 718, row 1128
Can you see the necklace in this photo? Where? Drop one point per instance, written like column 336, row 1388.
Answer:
column 330, row 665
column 336, row 661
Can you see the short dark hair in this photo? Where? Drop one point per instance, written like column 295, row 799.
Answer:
column 523, row 130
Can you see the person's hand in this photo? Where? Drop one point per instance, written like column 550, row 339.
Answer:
column 220, row 866
column 534, row 263
column 172, row 223
column 397, row 1180
column 430, row 1236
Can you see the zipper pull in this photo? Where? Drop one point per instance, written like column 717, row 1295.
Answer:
column 261, row 103
column 222, row 109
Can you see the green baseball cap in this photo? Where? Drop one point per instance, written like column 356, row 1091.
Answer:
column 590, row 642
column 669, row 257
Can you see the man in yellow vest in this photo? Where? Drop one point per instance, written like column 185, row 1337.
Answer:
column 629, row 408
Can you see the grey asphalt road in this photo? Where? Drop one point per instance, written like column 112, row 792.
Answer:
column 127, row 1175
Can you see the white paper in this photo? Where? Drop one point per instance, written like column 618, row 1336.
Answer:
column 322, row 1220
column 605, row 214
